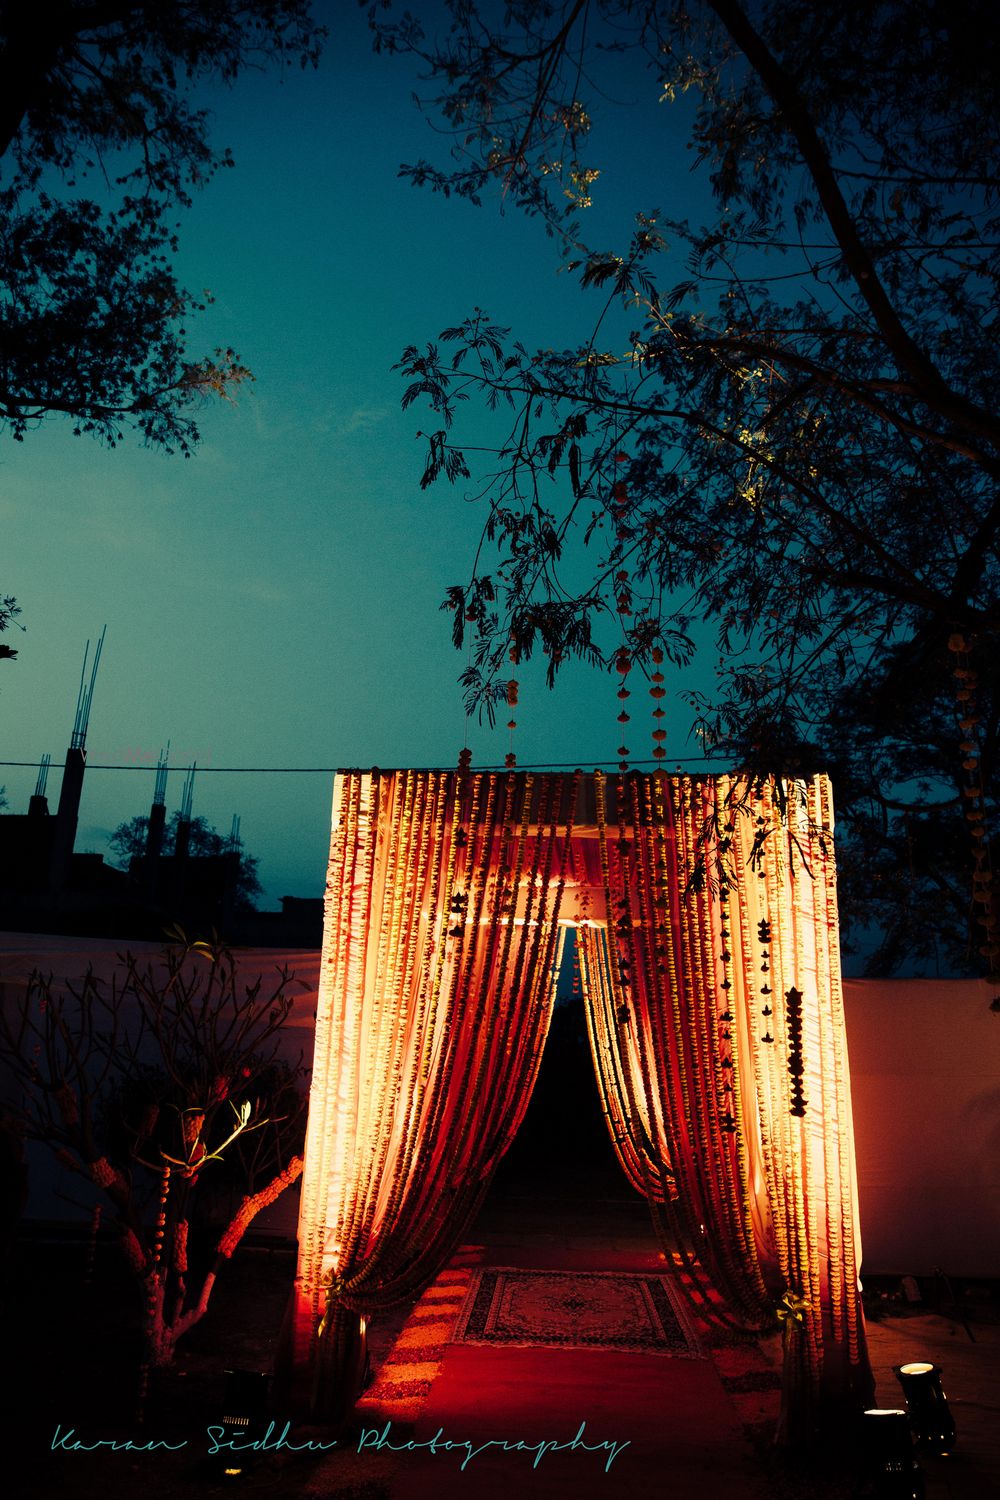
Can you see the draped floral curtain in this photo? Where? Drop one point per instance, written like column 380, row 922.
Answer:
column 716, row 1021
column 436, row 991
column 707, row 936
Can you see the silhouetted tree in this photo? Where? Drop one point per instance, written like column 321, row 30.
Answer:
column 9, row 611
column 129, row 842
column 102, row 140
column 782, row 422
column 149, row 1086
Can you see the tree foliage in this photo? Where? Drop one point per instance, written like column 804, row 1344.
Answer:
column 150, row 1087
column 9, row 611
column 129, row 839
column 781, row 421
column 102, row 140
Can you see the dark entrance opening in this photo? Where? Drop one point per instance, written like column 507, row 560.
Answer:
column 561, row 1175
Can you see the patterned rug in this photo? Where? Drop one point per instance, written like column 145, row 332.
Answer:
column 632, row 1313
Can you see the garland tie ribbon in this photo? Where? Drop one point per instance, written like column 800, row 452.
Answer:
column 791, row 1310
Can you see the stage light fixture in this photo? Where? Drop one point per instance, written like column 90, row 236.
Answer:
column 245, row 1403
column 930, row 1415
column 887, row 1445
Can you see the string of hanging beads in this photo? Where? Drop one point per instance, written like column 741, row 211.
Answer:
column 154, row 1290
column 623, row 665
column 657, row 692
column 764, row 938
column 510, row 759
column 623, row 602
column 725, row 1015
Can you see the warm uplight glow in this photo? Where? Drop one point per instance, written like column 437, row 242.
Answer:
column 739, row 1103
column 715, row 1018
column 433, row 1010
column 916, row 1369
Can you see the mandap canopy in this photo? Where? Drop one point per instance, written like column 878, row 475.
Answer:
column 706, row 925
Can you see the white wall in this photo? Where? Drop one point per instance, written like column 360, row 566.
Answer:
column 925, row 1080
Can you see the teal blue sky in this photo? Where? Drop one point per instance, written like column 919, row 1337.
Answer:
column 273, row 601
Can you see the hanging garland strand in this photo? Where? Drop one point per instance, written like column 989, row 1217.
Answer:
column 155, row 1288
column 657, row 693
column 730, row 1035
column 793, row 1003
column 510, row 759
column 654, row 1161
column 623, row 665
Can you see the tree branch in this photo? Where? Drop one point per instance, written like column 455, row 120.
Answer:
column 934, row 389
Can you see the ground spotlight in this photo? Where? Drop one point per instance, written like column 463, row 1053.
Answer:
column 930, row 1416
column 889, row 1458
column 245, row 1404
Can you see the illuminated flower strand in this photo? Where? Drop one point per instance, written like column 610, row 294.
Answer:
column 443, row 922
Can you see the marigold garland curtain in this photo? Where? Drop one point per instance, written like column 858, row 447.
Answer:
column 436, row 991
column 716, row 1026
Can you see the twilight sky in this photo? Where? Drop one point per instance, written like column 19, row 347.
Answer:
column 273, row 601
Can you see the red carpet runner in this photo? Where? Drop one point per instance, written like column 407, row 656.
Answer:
column 593, row 1424
column 626, row 1425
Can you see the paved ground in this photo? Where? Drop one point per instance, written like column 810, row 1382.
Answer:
column 425, row 1383
column 62, row 1373
column 683, row 1431
column 971, row 1382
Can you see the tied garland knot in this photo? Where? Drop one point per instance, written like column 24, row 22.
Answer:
column 791, row 1311
column 334, row 1286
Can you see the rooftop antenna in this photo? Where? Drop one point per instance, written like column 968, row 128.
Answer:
column 85, row 697
column 187, row 796
column 38, row 806
column 43, row 775
column 182, row 838
column 234, row 835
column 155, row 825
column 68, row 811
column 160, row 785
